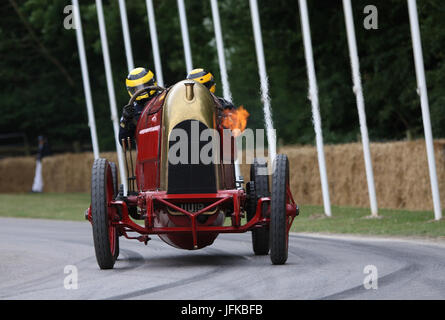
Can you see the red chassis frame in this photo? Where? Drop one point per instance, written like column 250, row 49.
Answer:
column 148, row 199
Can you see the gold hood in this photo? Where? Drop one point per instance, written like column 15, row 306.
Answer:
column 186, row 100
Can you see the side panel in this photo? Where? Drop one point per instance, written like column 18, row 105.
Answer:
column 148, row 135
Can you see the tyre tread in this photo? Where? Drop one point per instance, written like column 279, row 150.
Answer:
column 104, row 257
column 278, row 232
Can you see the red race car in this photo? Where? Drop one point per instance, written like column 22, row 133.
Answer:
column 179, row 195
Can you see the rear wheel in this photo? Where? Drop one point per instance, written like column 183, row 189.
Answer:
column 106, row 240
column 278, row 219
column 258, row 189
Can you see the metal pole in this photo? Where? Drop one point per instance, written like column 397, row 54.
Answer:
column 86, row 79
column 423, row 93
column 185, row 36
column 222, row 65
column 154, row 42
column 111, row 93
column 352, row 44
column 220, row 48
column 271, row 137
column 313, row 96
column 126, row 33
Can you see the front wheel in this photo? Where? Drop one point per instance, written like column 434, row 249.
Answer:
column 279, row 235
column 115, row 194
column 105, row 235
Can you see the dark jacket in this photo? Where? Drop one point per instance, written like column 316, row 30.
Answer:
column 127, row 127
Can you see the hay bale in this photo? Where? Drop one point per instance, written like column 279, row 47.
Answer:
column 400, row 172
column 70, row 172
column 17, row 174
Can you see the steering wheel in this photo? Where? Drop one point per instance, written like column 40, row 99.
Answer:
column 140, row 91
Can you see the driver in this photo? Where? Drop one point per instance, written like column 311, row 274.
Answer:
column 138, row 78
column 206, row 78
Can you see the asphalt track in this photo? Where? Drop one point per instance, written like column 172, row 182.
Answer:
column 34, row 253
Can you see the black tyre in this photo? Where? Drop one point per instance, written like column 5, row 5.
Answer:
column 115, row 193
column 104, row 234
column 278, row 219
column 258, row 189
column 114, row 173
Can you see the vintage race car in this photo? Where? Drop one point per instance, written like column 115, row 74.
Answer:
column 182, row 197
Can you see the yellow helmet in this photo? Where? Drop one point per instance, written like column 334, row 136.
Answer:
column 139, row 78
column 202, row 76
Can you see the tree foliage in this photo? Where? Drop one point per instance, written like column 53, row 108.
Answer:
column 42, row 89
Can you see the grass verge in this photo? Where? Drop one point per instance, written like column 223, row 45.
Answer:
column 345, row 220
column 357, row 221
column 64, row 206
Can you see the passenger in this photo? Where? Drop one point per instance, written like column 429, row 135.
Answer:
column 206, row 78
column 137, row 79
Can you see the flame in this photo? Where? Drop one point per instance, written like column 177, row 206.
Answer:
column 235, row 120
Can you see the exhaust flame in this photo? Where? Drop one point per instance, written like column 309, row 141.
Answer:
column 235, row 120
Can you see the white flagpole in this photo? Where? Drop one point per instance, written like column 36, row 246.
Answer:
column 271, row 137
column 86, row 79
column 154, row 42
column 423, row 93
column 352, row 44
column 220, row 48
column 111, row 93
column 126, row 33
column 222, row 65
column 313, row 96
column 185, row 36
